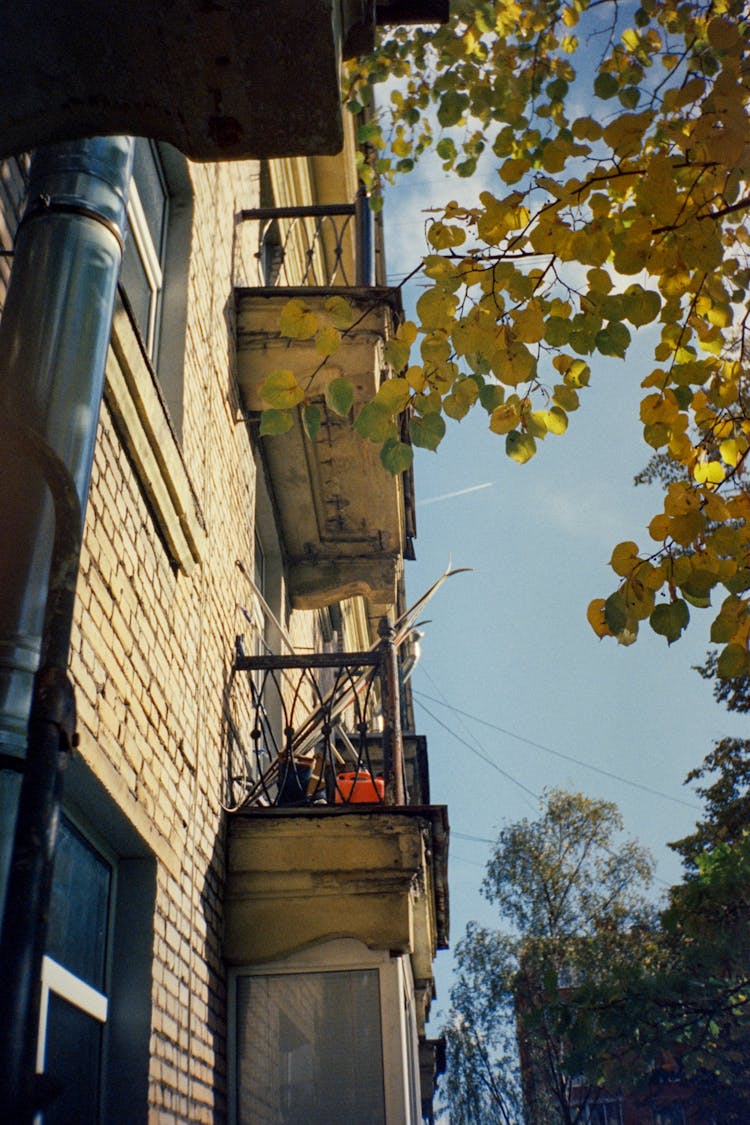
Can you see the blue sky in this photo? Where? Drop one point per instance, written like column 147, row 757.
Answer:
column 509, row 642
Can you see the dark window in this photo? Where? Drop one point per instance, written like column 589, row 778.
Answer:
column 74, row 1004
column 142, row 276
column 309, row 1049
column 671, row 1113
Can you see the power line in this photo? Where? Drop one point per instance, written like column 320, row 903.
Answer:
column 473, row 839
column 485, row 757
column 557, row 753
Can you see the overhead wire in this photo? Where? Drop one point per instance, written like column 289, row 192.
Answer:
column 485, row 757
column 489, row 761
column 555, row 753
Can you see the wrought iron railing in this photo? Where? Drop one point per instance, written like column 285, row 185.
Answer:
column 313, row 730
column 319, row 245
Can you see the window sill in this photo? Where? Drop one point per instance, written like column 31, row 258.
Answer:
column 147, row 435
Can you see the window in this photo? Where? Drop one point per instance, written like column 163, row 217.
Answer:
column 606, row 1111
column 155, row 266
column 671, row 1113
column 309, row 1048
column 95, row 1014
column 142, row 275
column 327, row 1035
column 74, row 1000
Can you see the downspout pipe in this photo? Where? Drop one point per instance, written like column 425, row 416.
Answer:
column 54, row 336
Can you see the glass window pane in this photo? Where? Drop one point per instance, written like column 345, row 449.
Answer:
column 134, row 281
column 72, row 1054
column 152, row 190
column 79, row 909
column 309, row 1049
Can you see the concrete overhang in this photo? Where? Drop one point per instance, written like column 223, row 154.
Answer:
column 341, row 515
column 225, row 80
column 298, row 877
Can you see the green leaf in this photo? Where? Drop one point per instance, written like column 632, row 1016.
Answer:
column 669, row 619
column 629, row 97
column 455, row 407
column 606, row 86
column 557, row 331
column 274, row 422
column 641, row 305
column 396, row 456
column 374, row 423
column 446, row 149
column 616, row 612
column 397, row 353
column 281, row 390
column 739, row 582
column 613, row 340
column 327, row 340
column 297, row 320
column 393, row 395
column 427, row 432
column 491, row 395
column 311, row 421
column 732, row 661
column 520, row 447
column 451, row 108
column 339, row 395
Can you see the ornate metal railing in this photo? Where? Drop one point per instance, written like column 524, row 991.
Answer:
column 333, row 242
column 312, row 730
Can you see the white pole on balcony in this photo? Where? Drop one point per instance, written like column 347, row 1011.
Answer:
column 393, row 748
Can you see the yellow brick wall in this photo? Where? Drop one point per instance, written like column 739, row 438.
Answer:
column 151, row 653
column 152, row 648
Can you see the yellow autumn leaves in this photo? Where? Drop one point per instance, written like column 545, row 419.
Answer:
column 621, row 206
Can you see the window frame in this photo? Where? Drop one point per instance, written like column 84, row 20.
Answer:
column 668, row 1107
column 57, row 980
column 125, row 1054
column 151, row 257
column 603, row 1104
column 402, row 1089
column 166, row 269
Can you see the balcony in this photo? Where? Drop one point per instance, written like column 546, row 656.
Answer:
column 218, row 81
column 330, row 830
column 321, row 730
column 346, row 524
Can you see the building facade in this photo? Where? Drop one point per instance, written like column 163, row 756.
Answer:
column 218, row 950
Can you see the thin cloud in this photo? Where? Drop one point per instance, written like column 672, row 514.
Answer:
column 460, row 492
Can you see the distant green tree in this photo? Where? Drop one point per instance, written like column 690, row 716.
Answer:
column 707, row 926
column 570, row 896
column 685, row 995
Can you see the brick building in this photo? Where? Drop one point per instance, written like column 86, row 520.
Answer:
column 215, row 953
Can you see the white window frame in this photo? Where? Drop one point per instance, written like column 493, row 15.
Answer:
column 58, row 980
column 402, row 1095
column 150, row 257
column 605, row 1103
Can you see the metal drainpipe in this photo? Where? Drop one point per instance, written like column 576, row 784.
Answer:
column 54, row 336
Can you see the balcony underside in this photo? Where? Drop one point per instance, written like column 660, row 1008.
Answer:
column 297, row 877
column 229, row 80
column 341, row 515
column 235, row 79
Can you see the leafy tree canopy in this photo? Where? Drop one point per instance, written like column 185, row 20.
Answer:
column 685, row 996
column 569, row 893
column 619, row 132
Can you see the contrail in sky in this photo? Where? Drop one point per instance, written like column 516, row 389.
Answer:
column 450, row 495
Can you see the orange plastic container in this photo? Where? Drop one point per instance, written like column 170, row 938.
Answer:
column 359, row 788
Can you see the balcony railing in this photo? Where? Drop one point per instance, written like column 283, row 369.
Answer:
column 317, row 729
column 322, row 245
